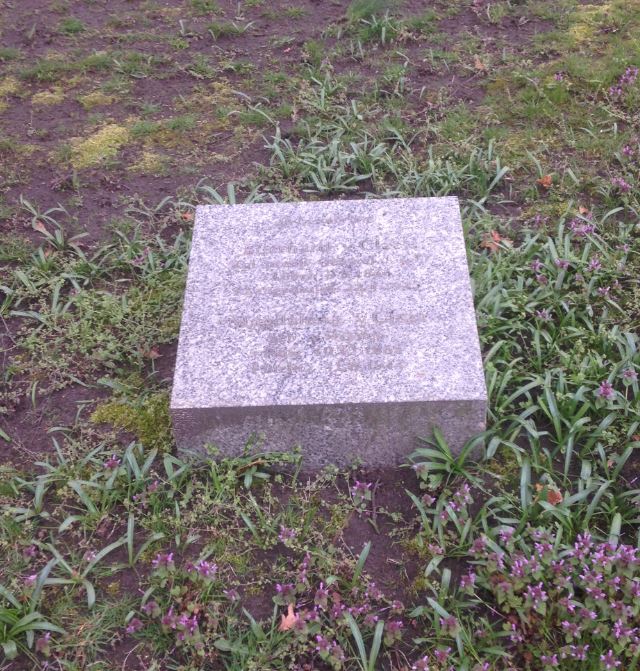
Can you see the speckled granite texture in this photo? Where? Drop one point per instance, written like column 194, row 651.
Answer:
column 346, row 327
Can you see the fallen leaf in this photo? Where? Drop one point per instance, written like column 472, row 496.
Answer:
column 492, row 240
column 554, row 497
column 39, row 226
column 583, row 210
column 478, row 64
column 154, row 353
column 288, row 620
column 546, row 181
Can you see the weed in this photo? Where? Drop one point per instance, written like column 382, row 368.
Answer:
column 220, row 29
column 70, row 26
column 365, row 9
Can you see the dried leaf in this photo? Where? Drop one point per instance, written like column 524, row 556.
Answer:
column 546, row 181
column 554, row 497
column 153, row 353
column 288, row 620
column 492, row 241
column 583, row 210
column 40, row 227
column 479, row 65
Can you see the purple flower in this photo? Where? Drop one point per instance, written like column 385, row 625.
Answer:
column 450, row 625
column 468, row 580
column 629, row 374
column 322, row 644
column 606, row 390
column 543, row 314
column 624, row 81
column 89, row 556
column 421, row 664
column 232, row 595
column 579, row 652
column 594, row 264
column 563, row 264
column 604, row 291
column 627, row 150
column 559, row 76
column 506, row 534
column 360, row 489
column 163, row 560
column 30, row 580
column 581, row 228
column 442, row 655
column 536, row 594
column 571, row 628
column 609, row 661
column 286, row 591
column 134, row 625
column 151, row 608
column 169, row 620
column 321, row 597
column 537, row 265
column 43, row 644
column 30, row 552
column 206, row 569
column 286, row 534
column 542, row 279
column 478, row 546
column 549, row 660
column 621, row 185
column 112, row 463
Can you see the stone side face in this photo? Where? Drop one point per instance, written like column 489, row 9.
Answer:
column 346, row 327
column 377, row 434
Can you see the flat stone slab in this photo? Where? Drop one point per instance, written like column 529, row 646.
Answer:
column 345, row 327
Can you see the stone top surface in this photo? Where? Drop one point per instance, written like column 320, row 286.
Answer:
column 350, row 301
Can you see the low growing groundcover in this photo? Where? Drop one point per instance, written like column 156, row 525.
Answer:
column 527, row 559
column 115, row 553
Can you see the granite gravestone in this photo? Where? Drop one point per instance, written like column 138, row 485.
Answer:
column 345, row 327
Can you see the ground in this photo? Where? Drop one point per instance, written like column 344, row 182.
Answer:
column 116, row 119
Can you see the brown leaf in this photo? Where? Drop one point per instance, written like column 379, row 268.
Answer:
column 153, row 353
column 583, row 210
column 288, row 620
column 546, row 181
column 479, row 65
column 40, row 227
column 492, row 240
column 554, row 497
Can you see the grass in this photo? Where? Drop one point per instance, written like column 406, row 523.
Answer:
column 111, row 544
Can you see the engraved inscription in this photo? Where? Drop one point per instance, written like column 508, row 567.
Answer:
column 299, row 300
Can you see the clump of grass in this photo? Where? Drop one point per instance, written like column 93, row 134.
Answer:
column 365, row 9
column 9, row 54
column 71, row 26
column 205, row 6
column 219, row 29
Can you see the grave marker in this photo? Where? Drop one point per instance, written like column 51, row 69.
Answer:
column 346, row 327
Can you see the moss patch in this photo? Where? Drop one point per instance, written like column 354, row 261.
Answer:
column 95, row 99
column 150, row 163
column 9, row 86
column 100, row 146
column 44, row 98
column 147, row 419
